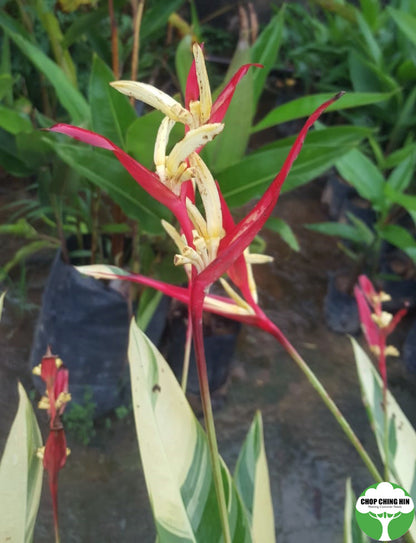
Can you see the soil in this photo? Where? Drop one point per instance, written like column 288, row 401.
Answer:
column 102, row 490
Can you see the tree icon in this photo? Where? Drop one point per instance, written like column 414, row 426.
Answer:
column 384, row 503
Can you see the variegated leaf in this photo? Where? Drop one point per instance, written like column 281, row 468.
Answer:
column 20, row 476
column 402, row 436
column 352, row 532
column 175, row 456
column 252, row 480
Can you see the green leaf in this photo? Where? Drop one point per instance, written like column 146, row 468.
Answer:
column 285, row 232
column 408, row 201
column 174, row 455
column 6, row 85
column 402, row 175
column 82, row 24
column 149, row 300
column 13, row 121
column 363, row 175
column 305, row 106
column 20, row 475
column 26, row 251
column 249, row 178
column 405, row 21
column 111, row 112
column 345, row 231
column 352, row 532
column 183, row 60
column 371, row 45
column 104, row 170
column 156, row 16
column 252, row 480
column 402, row 454
column 264, row 51
column 400, row 237
column 70, row 98
column 230, row 146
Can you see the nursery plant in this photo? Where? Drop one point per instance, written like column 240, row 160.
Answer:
column 209, row 245
column 78, row 177
column 192, row 493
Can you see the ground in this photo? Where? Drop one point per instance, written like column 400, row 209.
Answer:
column 102, row 490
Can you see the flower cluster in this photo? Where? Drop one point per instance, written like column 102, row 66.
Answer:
column 209, row 244
column 54, row 453
column 377, row 324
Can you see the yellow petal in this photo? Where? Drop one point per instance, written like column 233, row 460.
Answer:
column 155, row 98
column 161, row 143
column 236, row 297
column 193, row 139
column 174, row 234
column 203, row 84
column 209, row 195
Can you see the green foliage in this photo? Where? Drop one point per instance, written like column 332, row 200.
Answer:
column 20, row 475
column 175, row 459
column 401, row 434
column 352, row 532
column 79, row 419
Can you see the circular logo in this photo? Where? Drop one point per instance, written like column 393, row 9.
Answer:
column 384, row 511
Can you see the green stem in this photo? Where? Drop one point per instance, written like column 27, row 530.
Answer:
column 196, row 317
column 328, row 401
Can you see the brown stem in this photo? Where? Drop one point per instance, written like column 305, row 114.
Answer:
column 114, row 40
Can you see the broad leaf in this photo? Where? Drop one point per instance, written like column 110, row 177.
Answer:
column 284, row 230
column 402, row 436
column 363, row 175
column 111, row 112
column 249, row 178
column 20, row 476
column 13, row 121
column 104, row 170
column 175, row 457
column 352, row 532
column 401, row 177
column 252, row 480
column 265, row 50
column 303, row 107
column 400, row 237
column 230, row 146
column 70, row 98
column 342, row 230
column 6, row 85
column 183, row 60
column 405, row 21
column 156, row 16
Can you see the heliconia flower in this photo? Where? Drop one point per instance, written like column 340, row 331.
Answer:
column 54, row 455
column 55, row 376
column 376, row 323
column 199, row 109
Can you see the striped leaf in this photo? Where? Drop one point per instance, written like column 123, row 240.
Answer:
column 252, row 481
column 175, row 457
column 352, row 532
column 20, row 476
column 402, row 436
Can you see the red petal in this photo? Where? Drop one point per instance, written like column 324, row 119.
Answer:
column 220, row 106
column 244, row 232
column 368, row 290
column 395, row 321
column 192, row 88
column 54, row 460
column 238, row 270
column 370, row 329
column 148, row 180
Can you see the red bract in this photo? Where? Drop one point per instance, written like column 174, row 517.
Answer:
column 377, row 324
column 54, row 459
